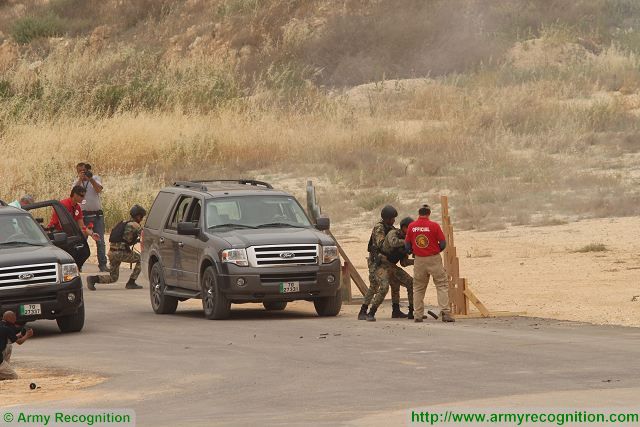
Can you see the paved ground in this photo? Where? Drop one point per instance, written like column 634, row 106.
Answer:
column 292, row 367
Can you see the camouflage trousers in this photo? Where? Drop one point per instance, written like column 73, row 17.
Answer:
column 383, row 277
column 115, row 259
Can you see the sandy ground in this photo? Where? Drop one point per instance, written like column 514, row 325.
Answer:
column 536, row 269
column 50, row 384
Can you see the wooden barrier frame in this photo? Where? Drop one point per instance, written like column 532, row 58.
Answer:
column 460, row 293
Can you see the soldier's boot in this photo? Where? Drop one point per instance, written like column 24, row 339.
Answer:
column 371, row 316
column 396, row 313
column 363, row 312
column 410, row 313
column 91, row 282
column 447, row 317
column 131, row 284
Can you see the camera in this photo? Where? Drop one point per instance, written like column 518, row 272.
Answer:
column 87, row 171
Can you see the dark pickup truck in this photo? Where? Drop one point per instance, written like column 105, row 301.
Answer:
column 38, row 278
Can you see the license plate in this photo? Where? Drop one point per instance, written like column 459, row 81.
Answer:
column 286, row 287
column 30, row 309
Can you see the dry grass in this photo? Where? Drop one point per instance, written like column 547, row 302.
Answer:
column 539, row 128
column 592, row 247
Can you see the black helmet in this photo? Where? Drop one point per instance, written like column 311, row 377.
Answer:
column 137, row 210
column 406, row 221
column 388, row 212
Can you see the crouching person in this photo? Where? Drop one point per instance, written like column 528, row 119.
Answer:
column 123, row 236
column 9, row 334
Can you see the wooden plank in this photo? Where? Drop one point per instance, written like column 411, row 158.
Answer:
column 444, row 203
column 357, row 279
column 353, row 273
column 479, row 305
column 345, row 279
column 466, row 300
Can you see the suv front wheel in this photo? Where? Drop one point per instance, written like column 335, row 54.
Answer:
column 73, row 322
column 328, row 306
column 215, row 304
column 161, row 303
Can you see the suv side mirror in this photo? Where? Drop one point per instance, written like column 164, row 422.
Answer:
column 188, row 229
column 60, row 238
column 323, row 223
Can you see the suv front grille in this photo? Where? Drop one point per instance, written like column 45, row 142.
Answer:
column 27, row 275
column 278, row 255
column 287, row 277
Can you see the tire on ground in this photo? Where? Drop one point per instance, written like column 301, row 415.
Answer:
column 73, row 322
column 215, row 304
column 328, row 306
column 161, row 303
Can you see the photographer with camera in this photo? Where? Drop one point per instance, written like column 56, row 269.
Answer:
column 10, row 333
column 92, row 208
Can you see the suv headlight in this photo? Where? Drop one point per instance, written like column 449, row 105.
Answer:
column 329, row 254
column 69, row 272
column 235, row 256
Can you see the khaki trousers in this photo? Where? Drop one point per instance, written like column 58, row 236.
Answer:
column 423, row 268
column 6, row 371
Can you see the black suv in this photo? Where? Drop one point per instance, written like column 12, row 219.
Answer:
column 38, row 278
column 237, row 241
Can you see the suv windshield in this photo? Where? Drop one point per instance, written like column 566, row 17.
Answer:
column 261, row 211
column 21, row 229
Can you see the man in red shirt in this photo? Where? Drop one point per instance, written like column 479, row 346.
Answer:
column 426, row 240
column 72, row 204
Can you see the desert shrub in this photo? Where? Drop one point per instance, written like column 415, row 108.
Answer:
column 27, row 29
column 592, row 247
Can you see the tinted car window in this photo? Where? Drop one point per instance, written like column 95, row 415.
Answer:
column 179, row 213
column 255, row 211
column 160, row 206
column 21, row 230
column 195, row 212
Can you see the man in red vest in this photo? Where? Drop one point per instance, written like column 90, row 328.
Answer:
column 426, row 240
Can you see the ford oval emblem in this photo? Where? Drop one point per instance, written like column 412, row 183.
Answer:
column 25, row 276
column 287, row 255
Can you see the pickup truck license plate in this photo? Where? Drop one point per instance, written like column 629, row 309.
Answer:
column 30, row 309
column 286, row 287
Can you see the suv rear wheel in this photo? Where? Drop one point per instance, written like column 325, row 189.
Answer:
column 161, row 303
column 275, row 305
column 328, row 306
column 215, row 304
column 72, row 323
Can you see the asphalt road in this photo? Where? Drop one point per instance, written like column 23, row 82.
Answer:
column 295, row 368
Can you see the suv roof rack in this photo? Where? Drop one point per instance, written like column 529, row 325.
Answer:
column 237, row 181
column 190, row 184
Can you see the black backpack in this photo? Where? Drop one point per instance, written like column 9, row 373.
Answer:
column 117, row 234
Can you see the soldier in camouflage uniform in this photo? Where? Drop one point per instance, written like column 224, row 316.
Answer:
column 378, row 279
column 394, row 252
column 120, row 250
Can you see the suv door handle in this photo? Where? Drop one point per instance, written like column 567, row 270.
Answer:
column 180, row 244
column 162, row 240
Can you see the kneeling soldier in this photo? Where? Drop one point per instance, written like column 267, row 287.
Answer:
column 123, row 236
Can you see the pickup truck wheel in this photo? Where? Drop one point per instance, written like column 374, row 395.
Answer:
column 161, row 303
column 72, row 323
column 328, row 306
column 275, row 305
column 215, row 304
